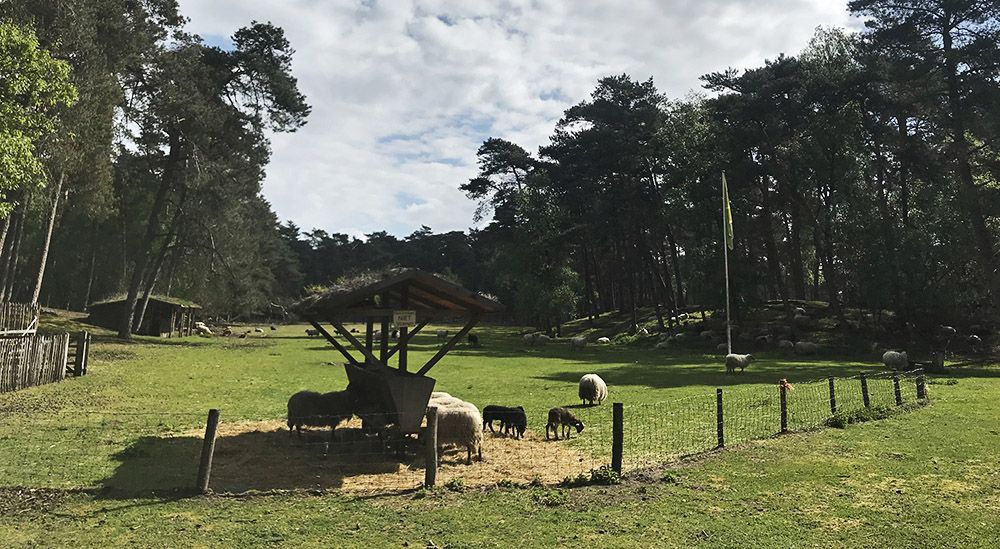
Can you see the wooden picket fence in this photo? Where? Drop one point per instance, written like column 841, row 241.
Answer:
column 32, row 360
column 18, row 318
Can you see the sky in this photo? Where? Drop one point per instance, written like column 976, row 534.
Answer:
column 403, row 92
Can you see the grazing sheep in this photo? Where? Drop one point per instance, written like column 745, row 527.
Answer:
column 273, row 329
column 473, row 340
column 786, row 344
column 542, row 339
column 312, row 333
column 511, row 419
column 806, row 348
column 895, row 360
column 442, row 334
column 312, row 409
column 561, row 417
column 592, row 388
column 579, row 341
column 442, row 399
column 529, row 339
column 461, row 425
column 603, row 341
column 734, row 361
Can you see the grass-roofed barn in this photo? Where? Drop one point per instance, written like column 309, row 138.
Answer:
column 165, row 316
column 410, row 299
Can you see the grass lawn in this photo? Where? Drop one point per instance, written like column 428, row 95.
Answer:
column 128, row 432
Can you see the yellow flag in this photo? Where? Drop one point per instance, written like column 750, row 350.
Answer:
column 727, row 212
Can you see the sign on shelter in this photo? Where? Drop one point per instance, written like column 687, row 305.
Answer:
column 404, row 319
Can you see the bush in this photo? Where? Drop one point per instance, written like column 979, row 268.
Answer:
column 455, row 485
column 605, row 476
column 842, row 419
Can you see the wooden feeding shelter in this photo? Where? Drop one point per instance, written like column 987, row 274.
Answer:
column 405, row 298
column 165, row 316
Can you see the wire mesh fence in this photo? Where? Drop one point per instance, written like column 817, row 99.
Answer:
column 657, row 434
column 135, row 452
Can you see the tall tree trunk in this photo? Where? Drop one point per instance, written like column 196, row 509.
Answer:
column 675, row 265
column 795, row 241
column 170, row 173
column 47, row 241
column 90, row 274
column 14, row 219
column 771, row 247
column 3, row 234
column 15, row 253
column 968, row 191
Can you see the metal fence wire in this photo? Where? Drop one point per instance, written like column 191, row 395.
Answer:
column 142, row 451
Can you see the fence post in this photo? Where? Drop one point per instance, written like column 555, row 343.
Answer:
column 833, row 398
column 618, row 435
column 207, row 451
column 720, row 431
column 895, row 388
column 921, row 387
column 784, row 407
column 430, row 451
column 864, row 391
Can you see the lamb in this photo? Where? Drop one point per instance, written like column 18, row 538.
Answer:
column 734, row 361
column 312, row 409
column 579, row 341
column 592, row 388
column 895, row 360
column 460, row 424
column 473, row 340
column 561, row 417
column 603, row 341
column 442, row 334
column 311, row 332
column 806, row 348
column 512, row 419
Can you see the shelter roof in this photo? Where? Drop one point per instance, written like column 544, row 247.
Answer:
column 423, row 292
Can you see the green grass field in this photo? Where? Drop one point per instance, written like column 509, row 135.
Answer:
column 127, row 432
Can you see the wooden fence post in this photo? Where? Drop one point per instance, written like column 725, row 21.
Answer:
column 921, row 386
column 782, row 391
column 617, row 435
column 720, row 432
column 895, row 388
column 864, row 391
column 833, row 398
column 430, row 451
column 207, row 451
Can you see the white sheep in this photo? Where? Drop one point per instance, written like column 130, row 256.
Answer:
column 806, row 348
column 593, row 388
column 895, row 360
column 734, row 361
column 603, row 341
column 579, row 341
column 460, row 424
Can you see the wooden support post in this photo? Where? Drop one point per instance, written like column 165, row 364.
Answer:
column 783, row 394
column 833, row 398
column 369, row 337
column 719, row 429
column 617, row 436
column 383, row 346
column 207, row 451
column 447, row 346
column 333, row 341
column 921, row 386
column 864, row 391
column 369, row 357
column 431, row 450
column 895, row 388
column 404, row 341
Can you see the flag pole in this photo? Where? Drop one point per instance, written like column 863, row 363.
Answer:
column 725, row 255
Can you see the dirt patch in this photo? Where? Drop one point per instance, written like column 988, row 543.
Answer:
column 263, row 455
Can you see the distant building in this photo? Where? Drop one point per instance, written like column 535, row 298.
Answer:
column 165, row 316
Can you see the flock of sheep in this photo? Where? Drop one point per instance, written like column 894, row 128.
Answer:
column 459, row 423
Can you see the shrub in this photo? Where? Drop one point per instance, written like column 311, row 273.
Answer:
column 455, row 485
column 605, row 476
column 843, row 418
column 550, row 498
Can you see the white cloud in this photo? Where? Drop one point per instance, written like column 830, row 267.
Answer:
column 404, row 91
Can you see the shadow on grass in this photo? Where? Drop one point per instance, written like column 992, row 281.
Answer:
column 248, row 461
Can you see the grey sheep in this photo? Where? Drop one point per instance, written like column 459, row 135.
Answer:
column 312, row 409
column 561, row 417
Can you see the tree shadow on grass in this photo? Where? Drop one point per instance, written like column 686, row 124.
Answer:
column 252, row 459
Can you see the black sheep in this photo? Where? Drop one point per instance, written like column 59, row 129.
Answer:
column 512, row 420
